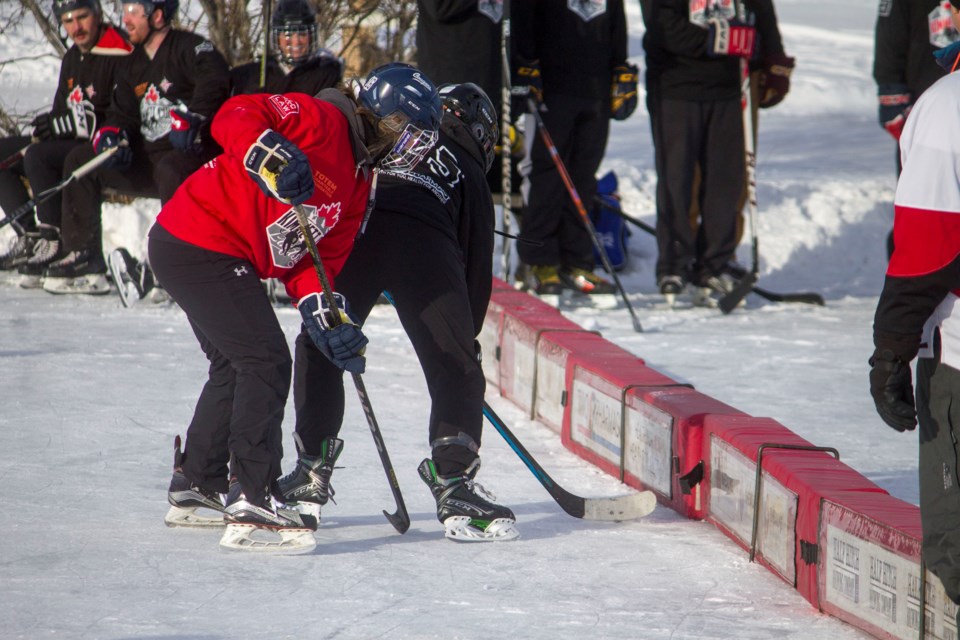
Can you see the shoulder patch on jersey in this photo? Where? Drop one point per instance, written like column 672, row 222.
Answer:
column 204, row 47
column 493, row 9
column 284, row 105
column 587, row 9
column 884, row 9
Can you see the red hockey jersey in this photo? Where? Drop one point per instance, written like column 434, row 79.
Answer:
column 222, row 209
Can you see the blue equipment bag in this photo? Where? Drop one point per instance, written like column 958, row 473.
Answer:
column 612, row 230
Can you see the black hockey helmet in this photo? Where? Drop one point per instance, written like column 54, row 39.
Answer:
column 168, row 7
column 290, row 17
column 406, row 102
column 61, row 7
column 471, row 106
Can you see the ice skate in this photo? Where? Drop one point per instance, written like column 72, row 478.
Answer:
column 133, row 279
column 307, row 488
column 190, row 505
column 46, row 251
column 77, row 272
column 466, row 516
column 712, row 289
column 20, row 251
column 670, row 287
column 263, row 528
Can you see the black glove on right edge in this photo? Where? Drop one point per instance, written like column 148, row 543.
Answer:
column 891, row 386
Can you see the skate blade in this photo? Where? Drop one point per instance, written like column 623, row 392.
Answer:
column 254, row 539
column 31, row 282
column 500, row 530
column 190, row 517
column 308, row 509
column 96, row 285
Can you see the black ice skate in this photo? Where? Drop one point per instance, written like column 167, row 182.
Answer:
column 307, row 487
column 133, row 279
column 467, row 516
column 190, row 505
column 266, row 527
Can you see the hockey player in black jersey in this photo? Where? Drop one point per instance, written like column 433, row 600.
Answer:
column 298, row 63
column 159, row 120
column 428, row 247
column 88, row 73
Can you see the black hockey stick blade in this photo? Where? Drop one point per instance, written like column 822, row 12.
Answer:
column 628, row 507
column 805, row 297
column 730, row 301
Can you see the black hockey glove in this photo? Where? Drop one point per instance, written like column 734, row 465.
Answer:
column 623, row 92
column 337, row 336
column 280, row 168
column 891, row 386
column 109, row 137
column 527, row 83
column 54, row 125
column 185, row 130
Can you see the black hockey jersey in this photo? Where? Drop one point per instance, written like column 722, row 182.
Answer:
column 453, row 197
column 460, row 41
column 578, row 44
column 87, row 80
column 323, row 71
column 906, row 35
column 187, row 70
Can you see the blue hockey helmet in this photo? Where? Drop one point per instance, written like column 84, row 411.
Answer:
column 406, row 102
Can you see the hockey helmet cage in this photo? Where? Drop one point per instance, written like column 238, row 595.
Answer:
column 406, row 101
column 471, row 106
column 290, row 17
column 61, row 7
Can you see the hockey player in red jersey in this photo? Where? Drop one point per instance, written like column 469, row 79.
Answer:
column 232, row 224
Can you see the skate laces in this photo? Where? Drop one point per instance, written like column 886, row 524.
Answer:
column 44, row 250
column 475, row 487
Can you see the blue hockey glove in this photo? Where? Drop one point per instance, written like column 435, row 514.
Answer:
column 337, row 336
column 280, row 168
column 109, row 137
column 892, row 389
column 185, row 129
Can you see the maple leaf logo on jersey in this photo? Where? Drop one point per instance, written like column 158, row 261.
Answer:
column 75, row 96
column 287, row 246
column 154, row 115
column 152, row 95
column 165, row 85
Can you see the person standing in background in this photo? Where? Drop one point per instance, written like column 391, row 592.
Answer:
column 907, row 33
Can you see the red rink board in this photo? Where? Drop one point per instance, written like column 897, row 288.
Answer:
column 794, row 483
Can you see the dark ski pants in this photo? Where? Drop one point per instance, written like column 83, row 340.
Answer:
column 687, row 134
column 150, row 175
column 938, row 413
column 578, row 127
column 422, row 270
column 13, row 192
column 240, row 409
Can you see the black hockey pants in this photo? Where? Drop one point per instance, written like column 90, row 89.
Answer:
column 578, row 127
column 938, row 413
column 13, row 192
column 422, row 270
column 685, row 134
column 240, row 409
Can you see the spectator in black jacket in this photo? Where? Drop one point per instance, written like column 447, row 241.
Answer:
column 429, row 247
column 572, row 52
column 906, row 35
column 159, row 120
column 694, row 68
column 89, row 70
column 298, row 64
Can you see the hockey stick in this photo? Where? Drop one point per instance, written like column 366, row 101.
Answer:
column 806, row 297
column 730, row 301
column 578, row 203
column 43, row 196
column 266, row 43
column 506, row 181
column 401, row 519
column 14, row 158
column 628, row 507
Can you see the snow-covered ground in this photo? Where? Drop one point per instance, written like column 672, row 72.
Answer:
column 93, row 395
